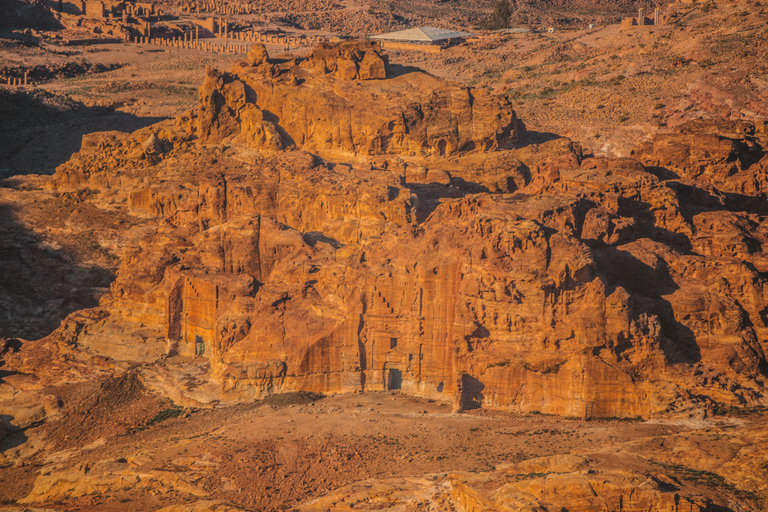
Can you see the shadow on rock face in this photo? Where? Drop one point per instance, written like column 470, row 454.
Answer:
column 41, row 131
column 10, row 437
column 650, row 284
column 471, row 392
column 528, row 138
column 19, row 15
column 40, row 284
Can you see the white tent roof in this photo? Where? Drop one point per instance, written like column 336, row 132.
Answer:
column 422, row 34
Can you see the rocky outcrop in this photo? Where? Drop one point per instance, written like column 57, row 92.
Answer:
column 203, row 506
column 729, row 156
column 527, row 279
column 316, row 104
column 600, row 288
column 349, row 61
column 105, row 476
column 569, row 482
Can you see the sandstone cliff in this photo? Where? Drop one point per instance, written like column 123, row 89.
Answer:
column 442, row 261
column 338, row 99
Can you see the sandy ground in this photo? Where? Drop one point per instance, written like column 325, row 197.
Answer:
column 292, row 448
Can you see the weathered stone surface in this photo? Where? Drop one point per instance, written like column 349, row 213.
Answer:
column 576, row 295
column 203, row 506
column 349, row 61
column 528, row 279
column 567, row 482
column 728, row 155
column 319, row 105
column 106, row 475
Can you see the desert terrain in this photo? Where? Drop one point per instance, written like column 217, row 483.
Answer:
column 251, row 260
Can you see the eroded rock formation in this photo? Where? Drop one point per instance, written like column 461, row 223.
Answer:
column 335, row 100
column 563, row 482
column 442, row 261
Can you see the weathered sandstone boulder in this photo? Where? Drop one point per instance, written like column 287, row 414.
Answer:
column 349, row 61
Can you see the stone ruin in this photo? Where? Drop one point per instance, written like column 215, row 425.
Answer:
column 642, row 20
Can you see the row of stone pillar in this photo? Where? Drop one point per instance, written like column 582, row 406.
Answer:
column 641, row 17
column 15, row 81
column 193, row 44
column 258, row 37
column 223, row 8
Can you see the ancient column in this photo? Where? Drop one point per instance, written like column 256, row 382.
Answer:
column 640, row 17
column 656, row 16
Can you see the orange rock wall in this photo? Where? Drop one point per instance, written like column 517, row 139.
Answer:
column 600, row 287
column 316, row 111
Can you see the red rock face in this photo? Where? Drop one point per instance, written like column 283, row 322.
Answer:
column 336, row 101
column 529, row 279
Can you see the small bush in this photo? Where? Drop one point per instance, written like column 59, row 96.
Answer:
column 500, row 17
column 165, row 414
column 546, row 92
